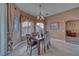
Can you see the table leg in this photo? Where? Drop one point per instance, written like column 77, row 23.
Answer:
column 38, row 48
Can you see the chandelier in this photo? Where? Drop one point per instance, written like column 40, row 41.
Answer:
column 40, row 17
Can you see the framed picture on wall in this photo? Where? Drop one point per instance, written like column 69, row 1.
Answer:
column 54, row 26
column 16, row 24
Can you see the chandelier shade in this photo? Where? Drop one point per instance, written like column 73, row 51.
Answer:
column 40, row 17
column 37, row 17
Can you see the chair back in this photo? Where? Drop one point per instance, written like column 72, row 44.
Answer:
column 28, row 38
column 47, row 38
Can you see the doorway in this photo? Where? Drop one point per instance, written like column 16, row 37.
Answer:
column 72, row 31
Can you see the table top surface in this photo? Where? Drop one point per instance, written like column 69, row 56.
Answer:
column 38, row 38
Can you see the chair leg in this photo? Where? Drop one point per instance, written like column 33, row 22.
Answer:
column 27, row 49
column 47, row 46
column 31, row 51
column 49, row 43
column 44, row 50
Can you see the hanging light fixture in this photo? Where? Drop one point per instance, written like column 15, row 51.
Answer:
column 40, row 17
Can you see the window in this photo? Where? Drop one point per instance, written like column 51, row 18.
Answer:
column 40, row 28
column 27, row 27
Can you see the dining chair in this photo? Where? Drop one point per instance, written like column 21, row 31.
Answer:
column 31, row 43
column 47, row 43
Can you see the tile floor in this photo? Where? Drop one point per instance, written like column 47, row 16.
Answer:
column 58, row 48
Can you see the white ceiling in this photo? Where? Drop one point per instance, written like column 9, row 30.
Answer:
column 50, row 8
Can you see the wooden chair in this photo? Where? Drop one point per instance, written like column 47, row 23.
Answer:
column 31, row 43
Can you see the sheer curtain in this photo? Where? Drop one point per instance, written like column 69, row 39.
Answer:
column 27, row 27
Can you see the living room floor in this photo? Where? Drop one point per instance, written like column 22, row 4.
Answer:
column 58, row 48
column 74, row 40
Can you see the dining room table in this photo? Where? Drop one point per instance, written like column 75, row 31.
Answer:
column 39, row 40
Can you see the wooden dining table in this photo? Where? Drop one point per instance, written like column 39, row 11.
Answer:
column 39, row 40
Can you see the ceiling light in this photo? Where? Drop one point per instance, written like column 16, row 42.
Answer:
column 40, row 17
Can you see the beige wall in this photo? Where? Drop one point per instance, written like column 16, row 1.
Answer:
column 61, row 18
column 60, row 33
